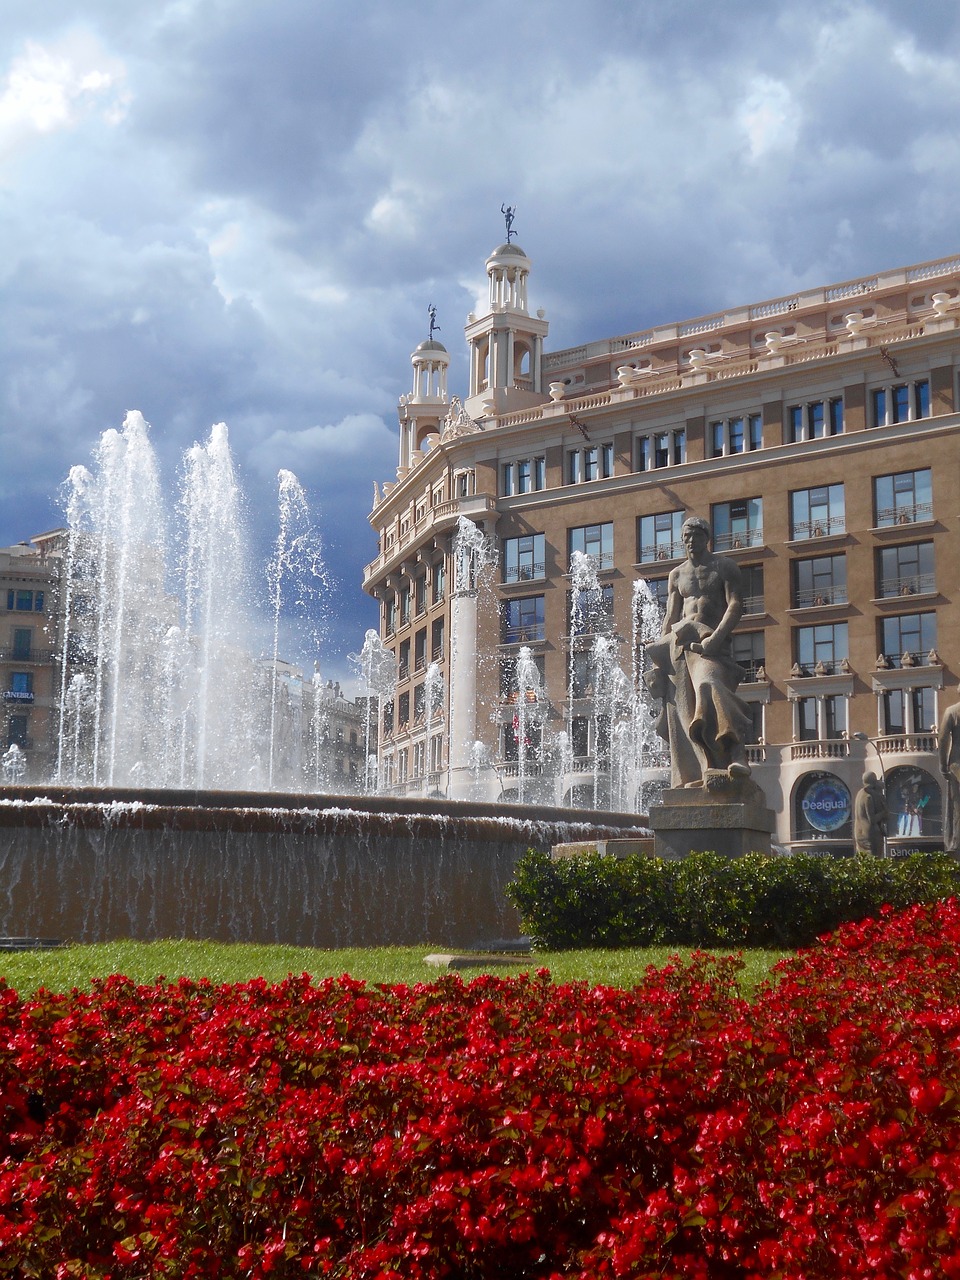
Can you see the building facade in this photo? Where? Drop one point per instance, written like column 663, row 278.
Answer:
column 29, row 644
column 818, row 433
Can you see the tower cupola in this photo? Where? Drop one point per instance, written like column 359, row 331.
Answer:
column 422, row 411
column 506, row 342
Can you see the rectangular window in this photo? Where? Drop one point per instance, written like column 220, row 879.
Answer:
column 403, row 709
column 524, row 477
column 523, row 620
column 21, row 682
column 539, row 473
column 523, row 558
column 755, row 422
column 836, row 417
column 390, row 616
column 747, row 649
column 436, row 640
column 507, row 479
column 403, row 660
column 823, row 646
column 606, row 460
column 795, row 419
column 736, row 435
column 893, row 710
column 737, row 524
column 900, row 403
column 921, row 399
column 25, row 601
column 420, row 650
column 642, row 450
column 903, row 498
column 591, row 463
column 22, row 637
column 659, row 590
column 718, row 436
column 420, row 594
column 878, row 402
column 923, row 705
column 679, row 446
column 752, row 581
column 806, row 720
column 820, row 581
column 905, row 571
column 510, row 677
column 834, row 716
column 573, row 466
column 439, row 581
column 658, row 537
column 817, row 513
column 17, row 732
column 908, row 635
column 661, row 449
column 404, row 606
column 594, row 540
column 590, row 612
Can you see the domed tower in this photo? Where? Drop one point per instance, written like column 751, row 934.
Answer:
column 506, row 342
column 423, row 409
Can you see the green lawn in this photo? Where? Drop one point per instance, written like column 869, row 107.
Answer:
column 68, row 967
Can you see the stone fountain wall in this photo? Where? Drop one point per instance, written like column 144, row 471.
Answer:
column 91, row 865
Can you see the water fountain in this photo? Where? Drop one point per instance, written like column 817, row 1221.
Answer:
column 158, row 823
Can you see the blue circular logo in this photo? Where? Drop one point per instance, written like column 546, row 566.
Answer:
column 826, row 804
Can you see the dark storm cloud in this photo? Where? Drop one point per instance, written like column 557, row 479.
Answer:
column 239, row 210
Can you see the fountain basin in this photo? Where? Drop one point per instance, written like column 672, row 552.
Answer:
column 92, row 864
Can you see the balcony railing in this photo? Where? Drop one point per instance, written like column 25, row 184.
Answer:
column 822, row 749
column 524, row 573
column 913, row 585
column 662, row 551
column 739, row 540
column 814, row 597
column 908, row 513
column 525, row 635
column 27, row 655
column 826, row 527
column 753, row 604
column 904, row 743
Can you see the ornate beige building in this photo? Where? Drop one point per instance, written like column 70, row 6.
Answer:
column 819, row 433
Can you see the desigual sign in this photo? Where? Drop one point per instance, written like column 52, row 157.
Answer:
column 825, row 804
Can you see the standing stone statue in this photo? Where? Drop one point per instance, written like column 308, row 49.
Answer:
column 870, row 816
column 702, row 718
column 950, row 768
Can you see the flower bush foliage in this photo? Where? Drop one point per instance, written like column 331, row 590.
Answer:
column 501, row 1128
column 707, row 900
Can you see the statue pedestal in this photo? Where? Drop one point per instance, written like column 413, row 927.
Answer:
column 726, row 816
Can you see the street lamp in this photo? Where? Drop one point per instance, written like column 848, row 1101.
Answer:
column 863, row 737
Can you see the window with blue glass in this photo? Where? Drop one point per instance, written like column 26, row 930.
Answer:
column 523, row 620
column 903, row 498
column 737, row 524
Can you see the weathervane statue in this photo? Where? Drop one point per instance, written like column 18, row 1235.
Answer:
column 508, row 212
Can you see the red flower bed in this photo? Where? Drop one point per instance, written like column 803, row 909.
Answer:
column 502, row 1128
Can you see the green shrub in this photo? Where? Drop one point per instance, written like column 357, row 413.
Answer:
column 708, row 900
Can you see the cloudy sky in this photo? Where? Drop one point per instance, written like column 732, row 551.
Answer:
column 240, row 210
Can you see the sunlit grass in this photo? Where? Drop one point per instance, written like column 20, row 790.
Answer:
column 143, row 962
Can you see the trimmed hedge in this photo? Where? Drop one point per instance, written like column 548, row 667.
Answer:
column 707, row 900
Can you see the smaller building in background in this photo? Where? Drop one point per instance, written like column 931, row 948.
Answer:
column 29, row 634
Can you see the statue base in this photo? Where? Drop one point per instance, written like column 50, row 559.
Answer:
column 726, row 816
